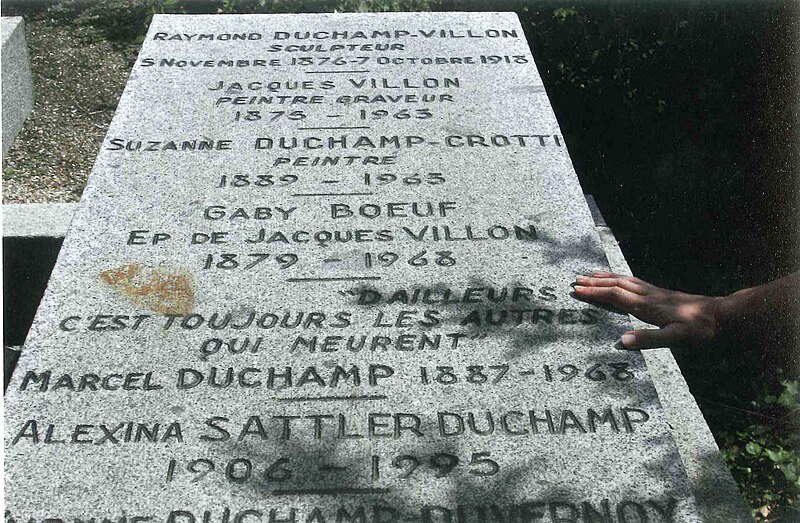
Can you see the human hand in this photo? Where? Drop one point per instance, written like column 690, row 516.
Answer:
column 686, row 320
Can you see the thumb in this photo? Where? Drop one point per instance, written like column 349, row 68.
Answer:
column 668, row 335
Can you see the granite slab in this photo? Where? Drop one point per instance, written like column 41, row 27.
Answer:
column 321, row 273
column 17, row 83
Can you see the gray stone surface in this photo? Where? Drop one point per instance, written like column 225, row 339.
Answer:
column 715, row 491
column 32, row 220
column 718, row 498
column 17, row 83
column 473, row 142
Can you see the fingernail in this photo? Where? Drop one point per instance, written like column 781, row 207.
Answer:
column 581, row 279
column 627, row 341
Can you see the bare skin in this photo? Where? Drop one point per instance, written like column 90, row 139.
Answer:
column 690, row 320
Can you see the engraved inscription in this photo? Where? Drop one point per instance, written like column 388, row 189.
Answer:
column 321, row 274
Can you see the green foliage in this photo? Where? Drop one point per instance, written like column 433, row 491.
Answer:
column 125, row 22
column 764, row 457
column 371, row 6
column 274, row 6
column 310, row 6
column 115, row 20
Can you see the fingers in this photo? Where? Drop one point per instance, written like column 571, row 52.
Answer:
column 616, row 296
column 626, row 283
column 629, row 295
column 606, row 274
column 670, row 335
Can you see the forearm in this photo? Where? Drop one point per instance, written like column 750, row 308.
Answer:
column 765, row 312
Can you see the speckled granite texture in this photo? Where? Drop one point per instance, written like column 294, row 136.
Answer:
column 321, row 273
column 17, row 81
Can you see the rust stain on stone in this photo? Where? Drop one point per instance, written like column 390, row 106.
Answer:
column 155, row 289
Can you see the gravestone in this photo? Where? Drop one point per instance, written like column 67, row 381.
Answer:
column 17, row 83
column 321, row 273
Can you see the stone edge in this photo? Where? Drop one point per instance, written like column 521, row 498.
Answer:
column 13, row 34
column 712, row 484
column 37, row 220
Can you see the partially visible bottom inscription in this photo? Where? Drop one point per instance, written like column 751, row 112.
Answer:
column 603, row 511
